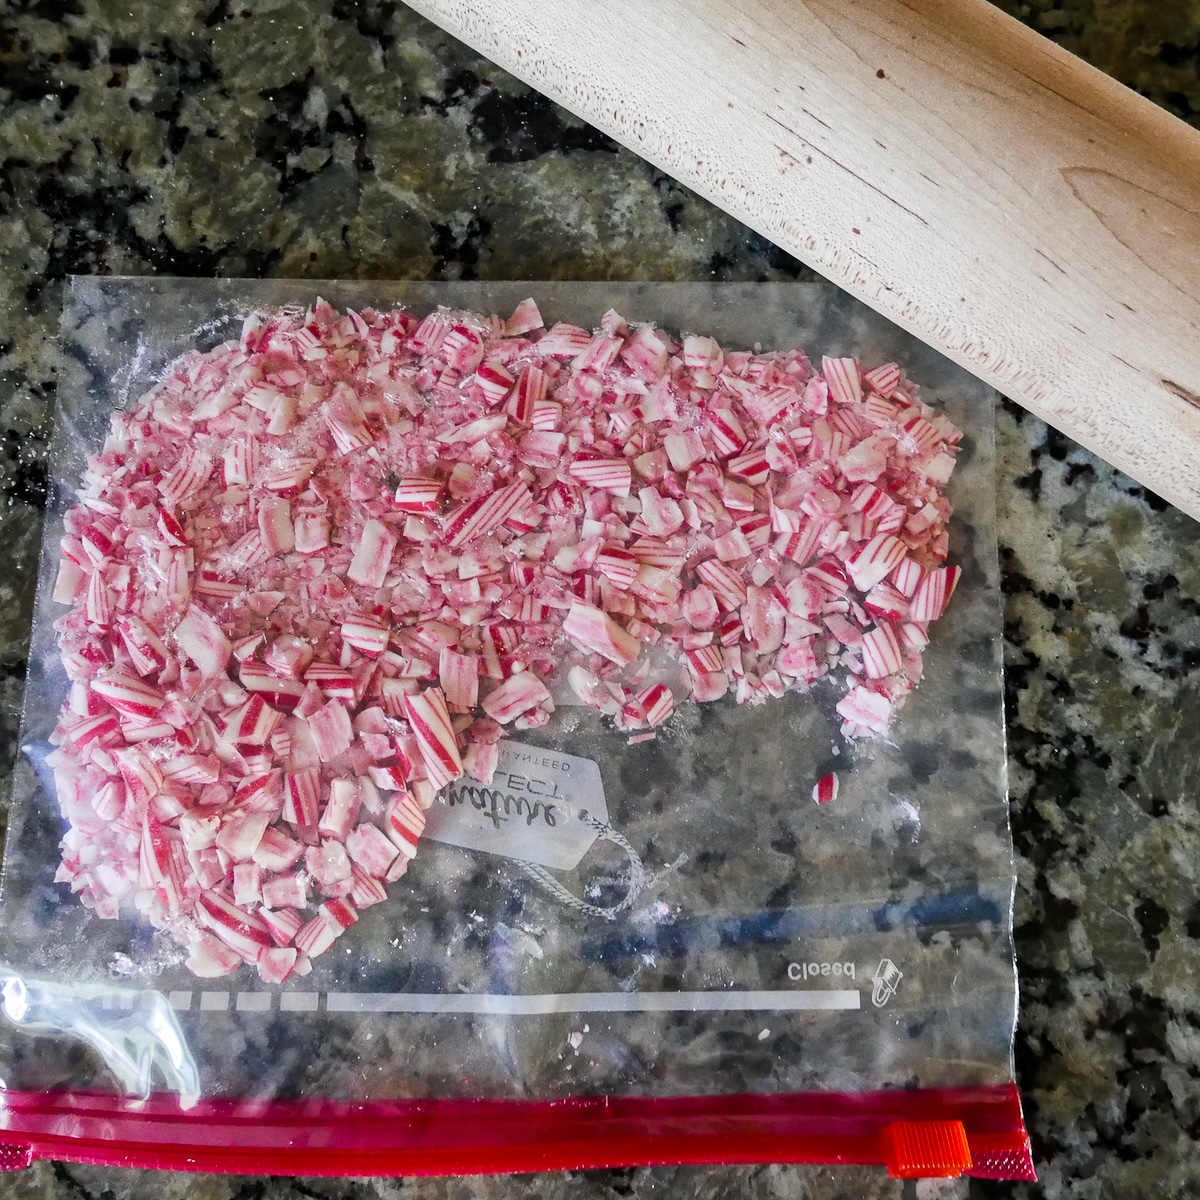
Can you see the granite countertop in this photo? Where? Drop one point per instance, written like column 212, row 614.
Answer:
column 350, row 138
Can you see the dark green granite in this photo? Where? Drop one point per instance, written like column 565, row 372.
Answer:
column 340, row 138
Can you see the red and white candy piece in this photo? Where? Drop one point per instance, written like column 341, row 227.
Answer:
column 483, row 516
column 371, row 850
column 606, row 474
column 404, row 824
column 881, row 652
column 594, row 630
column 431, row 726
column 826, row 788
column 129, row 695
column 874, row 560
column 366, row 636
column 933, row 594
column 514, row 697
column 200, row 637
column 369, row 566
column 418, row 495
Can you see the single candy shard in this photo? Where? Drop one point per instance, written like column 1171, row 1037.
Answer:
column 826, row 788
column 317, row 573
column 430, row 722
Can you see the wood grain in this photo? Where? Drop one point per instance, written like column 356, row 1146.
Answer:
column 1028, row 216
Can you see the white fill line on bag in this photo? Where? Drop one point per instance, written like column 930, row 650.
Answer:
column 494, row 1004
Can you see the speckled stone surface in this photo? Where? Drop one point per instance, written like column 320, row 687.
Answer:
column 352, row 139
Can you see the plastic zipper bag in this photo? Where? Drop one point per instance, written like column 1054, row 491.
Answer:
column 629, row 935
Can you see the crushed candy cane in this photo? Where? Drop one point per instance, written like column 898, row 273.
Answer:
column 388, row 541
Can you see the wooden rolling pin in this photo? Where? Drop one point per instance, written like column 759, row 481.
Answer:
column 1031, row 218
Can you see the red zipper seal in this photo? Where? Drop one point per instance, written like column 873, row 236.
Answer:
column 932, row 1132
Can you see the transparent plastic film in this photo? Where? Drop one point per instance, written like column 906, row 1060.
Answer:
column 745, row 903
